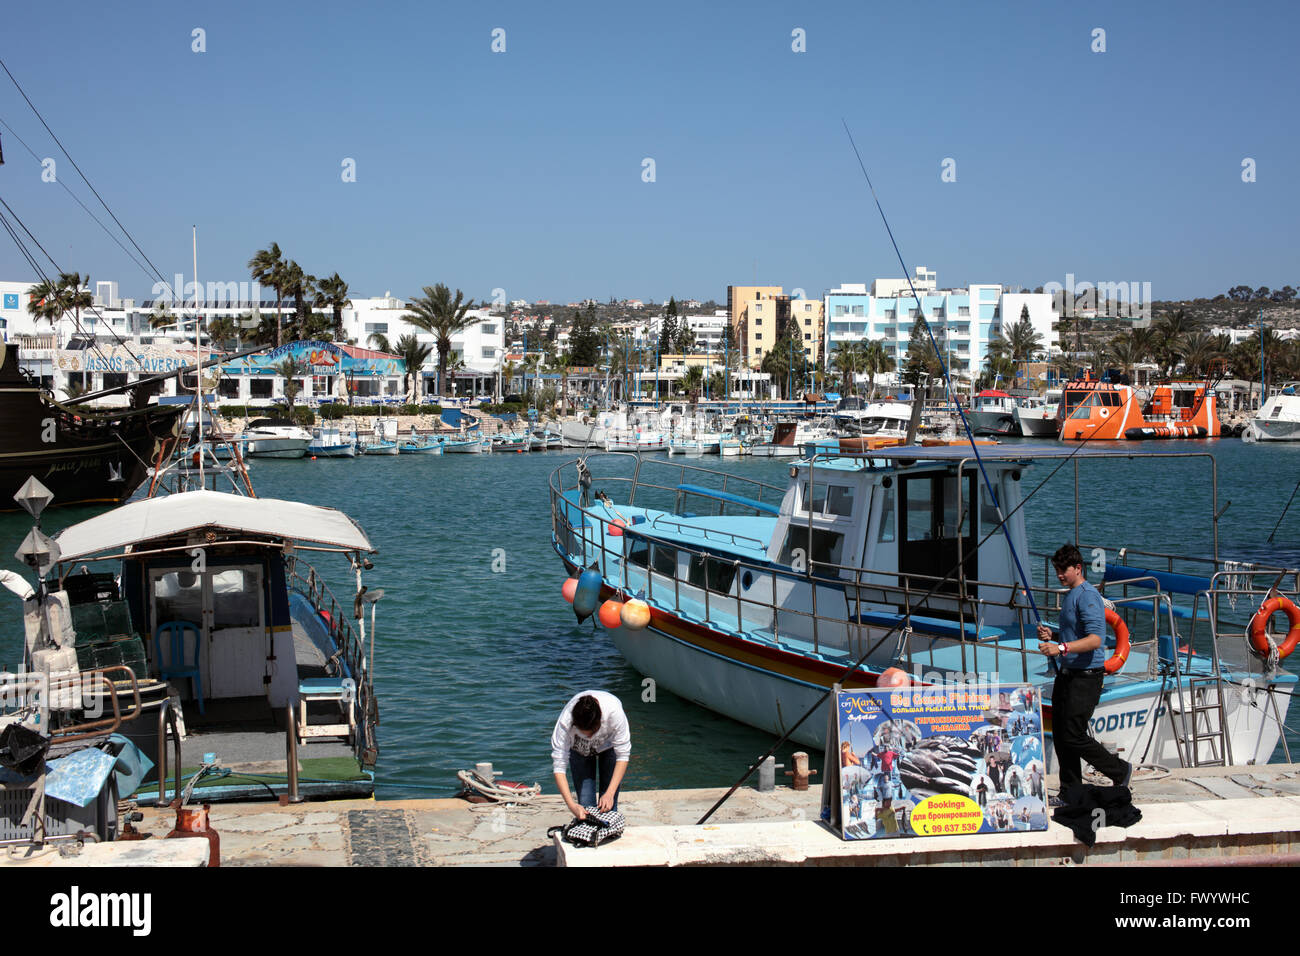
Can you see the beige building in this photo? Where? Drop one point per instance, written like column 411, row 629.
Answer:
column 765, row 318
column 740, row 300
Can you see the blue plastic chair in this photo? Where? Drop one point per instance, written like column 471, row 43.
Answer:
column 174, row 632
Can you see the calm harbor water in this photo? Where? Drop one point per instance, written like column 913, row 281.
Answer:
column 474, row 663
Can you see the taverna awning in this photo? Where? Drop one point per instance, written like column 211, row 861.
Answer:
column 176, row 514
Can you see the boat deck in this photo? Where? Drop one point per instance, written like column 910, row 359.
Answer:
column 247, row 738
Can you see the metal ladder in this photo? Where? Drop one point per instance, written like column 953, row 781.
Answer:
column 1208, row 722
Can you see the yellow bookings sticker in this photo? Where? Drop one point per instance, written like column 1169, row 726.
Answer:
column 947, row 814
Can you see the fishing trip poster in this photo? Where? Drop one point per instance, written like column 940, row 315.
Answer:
column 947, row 760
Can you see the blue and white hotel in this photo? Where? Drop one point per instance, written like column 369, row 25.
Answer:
column 964, row 320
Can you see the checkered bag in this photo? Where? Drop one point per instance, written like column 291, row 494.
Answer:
column 596, row 829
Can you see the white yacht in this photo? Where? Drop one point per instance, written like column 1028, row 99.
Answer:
column 276, row 438
column 1036, row 414
column 1279, row 418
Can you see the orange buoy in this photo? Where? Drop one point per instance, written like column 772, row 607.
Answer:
column 616, row 527
column 1257, row 629
column 611, row 614
column 636, row 614
column 569, row 588
column 893, row 677
column 1116, row 624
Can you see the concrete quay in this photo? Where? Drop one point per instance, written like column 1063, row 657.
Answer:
column 1212, row 815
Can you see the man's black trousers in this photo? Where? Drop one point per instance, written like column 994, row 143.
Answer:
column 1074, row 698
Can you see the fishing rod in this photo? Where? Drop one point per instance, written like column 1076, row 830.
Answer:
column 1001, row 526
column 970, row 433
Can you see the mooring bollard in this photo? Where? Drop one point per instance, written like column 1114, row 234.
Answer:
column 485, row 771
column 767, row 775
column 800, row 773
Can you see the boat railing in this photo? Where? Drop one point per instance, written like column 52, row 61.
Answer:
column 836, row 620
column 345, row 638
column 730, row 537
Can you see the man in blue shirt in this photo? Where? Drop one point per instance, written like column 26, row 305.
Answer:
column 1079, row 657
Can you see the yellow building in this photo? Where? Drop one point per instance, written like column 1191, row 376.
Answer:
column 740, row 301
column 766, row 320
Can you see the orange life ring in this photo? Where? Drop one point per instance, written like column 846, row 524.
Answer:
column 1116, row 624
column 1259, row 622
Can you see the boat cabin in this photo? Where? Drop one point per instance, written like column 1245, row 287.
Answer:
column 234, row 629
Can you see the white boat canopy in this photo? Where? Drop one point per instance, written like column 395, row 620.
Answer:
column 176, row 514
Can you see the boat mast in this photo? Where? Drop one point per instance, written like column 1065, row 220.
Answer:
column 198, row 375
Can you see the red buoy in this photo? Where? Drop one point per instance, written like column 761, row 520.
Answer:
column 569, row 588
column 893, row 677
column 611, row 614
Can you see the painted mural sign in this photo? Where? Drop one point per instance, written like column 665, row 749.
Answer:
column 144, row 360
column 940, row 761
column 319, row 358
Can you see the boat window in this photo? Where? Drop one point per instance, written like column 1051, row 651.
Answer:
column 1276, row 412
column 721, row 573
column 886, row 533
column 666, row 560
column 638, row 552
column 839, row 500
column 827, row 547
column 952, row 507
column 236, row 597
column 918, row 511
column 988, row 516
column 178, row 596
column 1111, row 398
column 816, row 504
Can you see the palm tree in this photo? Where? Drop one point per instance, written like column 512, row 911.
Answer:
column 222, row 330
column 162, row 317
column 1169, row 330
column 1198, row 352
column 692, row 379
column 300, row 286
column 74, row 295
column 414, row 353
column 532, row 363
column 380, row 341
column 1126, row 352
column 267, row 267
column 332, row 293
column 45, row 303
column 875, row 361
column 563, row 362
column 438, row 314
column 291, row 370
column 849, row 359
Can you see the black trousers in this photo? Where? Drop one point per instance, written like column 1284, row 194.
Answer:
column 1074, row 698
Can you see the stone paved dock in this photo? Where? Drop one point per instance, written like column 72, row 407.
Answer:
column 1248, row 812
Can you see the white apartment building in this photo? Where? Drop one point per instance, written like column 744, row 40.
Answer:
column 964, row 321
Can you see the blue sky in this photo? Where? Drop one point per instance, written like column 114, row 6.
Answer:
column 523, row 170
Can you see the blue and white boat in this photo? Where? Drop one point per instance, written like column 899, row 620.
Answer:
column 330, row 442
column 420, row 445
column 762, row 598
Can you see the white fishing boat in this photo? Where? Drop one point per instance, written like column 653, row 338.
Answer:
column 1037, row 415
column 1279, row 417
column 467, row 446
column 635, row 440
column 760, row 598
column 790, row 439
column 993, row 412
column 275, row 438
column 331, row 442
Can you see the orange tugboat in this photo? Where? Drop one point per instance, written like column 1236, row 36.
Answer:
column 1091, row 409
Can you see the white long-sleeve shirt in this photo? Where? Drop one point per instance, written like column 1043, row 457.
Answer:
column 614, row 732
